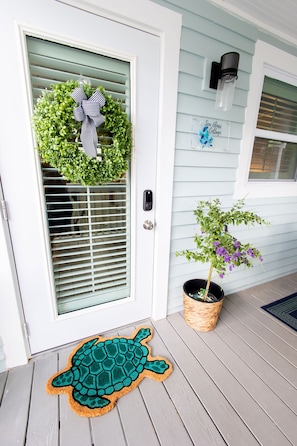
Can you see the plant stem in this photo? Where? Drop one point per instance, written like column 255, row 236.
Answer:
column 208, row 282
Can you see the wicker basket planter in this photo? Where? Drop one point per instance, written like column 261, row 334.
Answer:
column 202, row 316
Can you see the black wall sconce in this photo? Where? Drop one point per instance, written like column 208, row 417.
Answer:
column 223, row 78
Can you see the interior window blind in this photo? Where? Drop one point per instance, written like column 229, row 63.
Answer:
column 88, row 227
column 273, row 160
column 275, row 149
column 277, row 114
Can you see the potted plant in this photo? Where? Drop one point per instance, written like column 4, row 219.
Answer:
column 203, row 299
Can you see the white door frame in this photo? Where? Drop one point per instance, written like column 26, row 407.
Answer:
column 12, row 321
column 150, row 17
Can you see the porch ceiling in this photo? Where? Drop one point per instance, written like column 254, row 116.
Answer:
column 273, row 17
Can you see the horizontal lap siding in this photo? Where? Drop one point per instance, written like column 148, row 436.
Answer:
column 207, row 33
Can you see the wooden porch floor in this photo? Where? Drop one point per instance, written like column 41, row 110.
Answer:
column 233, row 386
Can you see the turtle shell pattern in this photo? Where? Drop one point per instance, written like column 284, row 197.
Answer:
column 101, row 370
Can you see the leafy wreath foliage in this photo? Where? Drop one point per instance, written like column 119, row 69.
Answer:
column 57, row 134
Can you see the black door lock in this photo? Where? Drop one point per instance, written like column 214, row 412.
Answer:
column 147, row 200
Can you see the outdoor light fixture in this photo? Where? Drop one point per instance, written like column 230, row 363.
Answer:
column 223, row 78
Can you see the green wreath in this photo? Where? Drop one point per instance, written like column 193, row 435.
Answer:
column 57, row 134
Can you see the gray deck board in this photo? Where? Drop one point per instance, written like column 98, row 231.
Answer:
column 43, row 423
column 135, row 420
column 277, row 383
column 236, row 385
column 74, row 430
column 251, row 305
column 272, row 356
column 268, row 402
column 162, row 412
column 15, row 404
column 108, row 429
column 258, row 325
column 3, row 377
column 232, row 428
column 197, row 421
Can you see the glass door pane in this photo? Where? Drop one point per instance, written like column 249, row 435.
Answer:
column 88, row 227
column 89, row 231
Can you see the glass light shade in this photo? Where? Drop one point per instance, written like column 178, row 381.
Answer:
column 225, row 92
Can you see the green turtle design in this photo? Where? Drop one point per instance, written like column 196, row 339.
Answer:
column 101, row 370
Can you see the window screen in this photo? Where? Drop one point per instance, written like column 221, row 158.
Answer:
column 275, row 146
column 88, row 227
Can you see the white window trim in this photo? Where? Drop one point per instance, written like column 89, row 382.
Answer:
column 274, row 62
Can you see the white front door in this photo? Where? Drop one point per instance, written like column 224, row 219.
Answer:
column 21, row 181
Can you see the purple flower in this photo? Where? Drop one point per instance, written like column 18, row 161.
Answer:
column 221, row 251
column 251, row 252
column 236, row 244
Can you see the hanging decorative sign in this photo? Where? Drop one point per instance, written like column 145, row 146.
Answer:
column 210, row 134
column 67, row 122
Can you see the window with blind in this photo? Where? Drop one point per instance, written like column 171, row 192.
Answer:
column 274, row 156
column 88, row 227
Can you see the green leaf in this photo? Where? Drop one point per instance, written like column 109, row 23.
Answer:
column 57, row 136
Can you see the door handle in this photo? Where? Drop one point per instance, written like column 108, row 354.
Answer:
column 148, row 225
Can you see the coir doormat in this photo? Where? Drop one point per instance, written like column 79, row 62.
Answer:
column 101, row 370
column 285, row 310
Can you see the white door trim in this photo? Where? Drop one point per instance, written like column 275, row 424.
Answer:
column 12, row 321
column 150, row 17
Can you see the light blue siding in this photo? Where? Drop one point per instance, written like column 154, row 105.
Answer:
column 207, row 33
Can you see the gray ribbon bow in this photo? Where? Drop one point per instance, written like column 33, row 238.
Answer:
column 88, row 111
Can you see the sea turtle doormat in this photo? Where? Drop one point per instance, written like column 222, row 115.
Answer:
column 101, row 370
column 285, row 310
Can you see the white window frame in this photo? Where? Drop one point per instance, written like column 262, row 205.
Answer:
column 273, row 62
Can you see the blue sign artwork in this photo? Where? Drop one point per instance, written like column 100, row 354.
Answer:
column 210, row 134
column 205, row 138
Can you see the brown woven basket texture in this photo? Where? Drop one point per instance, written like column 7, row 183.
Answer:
column 201, row 316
